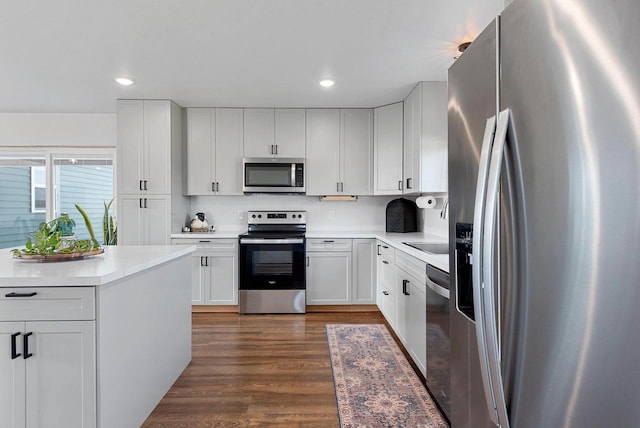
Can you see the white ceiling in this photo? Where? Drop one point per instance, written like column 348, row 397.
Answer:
column 61, row 56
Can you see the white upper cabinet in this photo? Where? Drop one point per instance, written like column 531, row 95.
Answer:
column 356, row 152
column 425, row 139
column 323, row 152
column 214, row 151
column 289, row 132
column 144, row 146
column 258, row 132
column 339, row 155
column 387, row 157
column 274, row 133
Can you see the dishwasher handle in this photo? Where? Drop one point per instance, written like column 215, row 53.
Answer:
column 438, row 281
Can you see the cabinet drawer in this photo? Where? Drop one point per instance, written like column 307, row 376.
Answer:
column 209, row 244
column 328, row 244
column 386, row 251
column 47, row 303
column 413, row 266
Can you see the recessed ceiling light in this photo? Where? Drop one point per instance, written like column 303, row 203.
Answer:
column 327, row 83
column 123, row 81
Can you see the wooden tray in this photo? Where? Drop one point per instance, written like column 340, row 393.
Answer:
column 62, row 257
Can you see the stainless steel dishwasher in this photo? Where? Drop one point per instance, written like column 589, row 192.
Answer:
column 438, row 345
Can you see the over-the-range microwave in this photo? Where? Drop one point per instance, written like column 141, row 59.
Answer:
column 273, row 175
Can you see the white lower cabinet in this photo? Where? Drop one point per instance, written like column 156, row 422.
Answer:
column 402, row 299
column 329, row 271
column 364, row 272
column 47, row 368
column 148, row 219
column 214, row 277
column 386, row 293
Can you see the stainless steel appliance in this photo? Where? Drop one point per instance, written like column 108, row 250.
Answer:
column 273, row 175
column 438, row 348
column 544, row 155
column 272, row 263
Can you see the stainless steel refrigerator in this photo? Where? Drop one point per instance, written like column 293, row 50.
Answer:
column 544, row 171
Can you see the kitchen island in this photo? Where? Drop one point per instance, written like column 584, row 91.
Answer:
column 93, row 342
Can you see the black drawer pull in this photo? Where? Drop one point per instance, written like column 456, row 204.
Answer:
column 26, row 345
column 14, row 353
column 13, row 294
column 328, row 241
column 385, row 247
column 205, row 241
column 385, row 262
column 386, row 293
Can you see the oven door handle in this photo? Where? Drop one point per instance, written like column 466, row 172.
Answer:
column 261, row 241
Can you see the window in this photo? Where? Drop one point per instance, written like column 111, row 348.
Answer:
column 45, row 184
column 38, row 189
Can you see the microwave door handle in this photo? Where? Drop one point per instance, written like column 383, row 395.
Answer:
column 293, row 173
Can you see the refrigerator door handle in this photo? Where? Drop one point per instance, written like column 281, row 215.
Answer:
column 476, row 263
column 488, row 274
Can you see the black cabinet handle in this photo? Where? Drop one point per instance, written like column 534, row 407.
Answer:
column 139, row 184
column 379, row 249
column 400, row 185
column 205, row 240
column 14, row 353
column 145, row 202
column 405, row 282
column 213, row 186
column 328, row 241
column 140, row 202
column 385, row 247
column 385, row 262
column 217, row 186
column 25, row 345
column 14, row 294
column 276, row 150
column 386, row 293
column 145, row 185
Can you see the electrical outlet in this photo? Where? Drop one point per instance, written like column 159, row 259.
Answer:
column 332, row 215
column 240, row 214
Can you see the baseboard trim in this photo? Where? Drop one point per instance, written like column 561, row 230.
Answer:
column 310, row 308
column 342, row 308
column 214, row 308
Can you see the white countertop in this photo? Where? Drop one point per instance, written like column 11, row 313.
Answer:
column 441, row 261
column 117, row 262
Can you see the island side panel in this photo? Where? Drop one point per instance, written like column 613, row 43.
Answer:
column 144, row 340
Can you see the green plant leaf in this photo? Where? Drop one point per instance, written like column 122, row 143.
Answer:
column 87, row 222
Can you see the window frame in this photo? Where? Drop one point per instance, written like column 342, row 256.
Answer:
column 49, row 153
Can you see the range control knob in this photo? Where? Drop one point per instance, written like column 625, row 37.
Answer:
column 259, row 215
column 253, row 216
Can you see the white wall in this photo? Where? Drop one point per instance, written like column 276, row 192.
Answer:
column 58, row 129
column 366, row 214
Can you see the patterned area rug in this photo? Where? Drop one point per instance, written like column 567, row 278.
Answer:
column 375, row 385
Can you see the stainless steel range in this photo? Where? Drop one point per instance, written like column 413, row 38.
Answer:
column 272, row 263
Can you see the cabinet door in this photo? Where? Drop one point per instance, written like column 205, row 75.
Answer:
column 402, row 306
column 258, row 132
column 323, row 152
column 228, row 151
column 157, row 146
column 386, row 297
column 388, row 138
column 329, row 278
column 199, row 278
column 290, row 133
column 61, row 375
column 356, row 155
column 364, row 272
column 12, row 376
column 130, row 224
column 157, row 220
column 201, row 154
column 417, row 324
column 434, row 147
column 130, row 155
column 412, row 131
column 223, row 281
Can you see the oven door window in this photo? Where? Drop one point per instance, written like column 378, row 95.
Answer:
column 272, row 266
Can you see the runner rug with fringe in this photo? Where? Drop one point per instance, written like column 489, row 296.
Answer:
column 375, row 385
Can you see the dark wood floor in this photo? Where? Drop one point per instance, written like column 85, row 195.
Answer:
column 256, row 371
